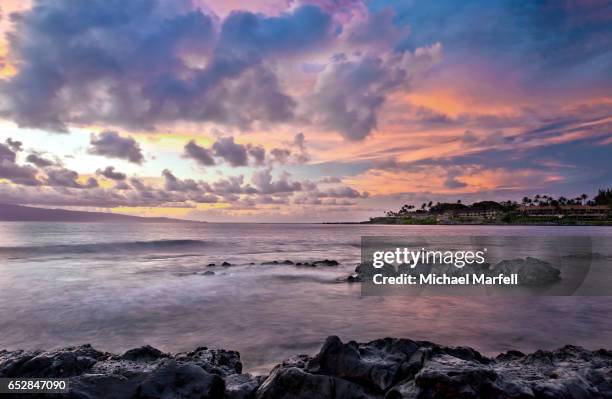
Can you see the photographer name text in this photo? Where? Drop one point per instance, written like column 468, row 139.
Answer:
column 444, row 279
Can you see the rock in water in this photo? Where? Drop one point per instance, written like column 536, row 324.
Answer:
column 530, row 271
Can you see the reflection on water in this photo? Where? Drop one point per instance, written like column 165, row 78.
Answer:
column 64, row 284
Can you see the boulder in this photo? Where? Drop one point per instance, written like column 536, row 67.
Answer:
column 60, row 363
column 145, row 353
column 385, row 368
column 215, row 361
column 325, row 262
column 242, row 386
column 405, row 369
column 180, row 381
column 530, row 271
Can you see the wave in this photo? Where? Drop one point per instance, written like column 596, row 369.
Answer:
column 103, row 248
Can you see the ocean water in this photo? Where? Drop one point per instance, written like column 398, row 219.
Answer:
column 119, row 286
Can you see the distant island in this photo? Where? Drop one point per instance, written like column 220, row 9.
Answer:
column 541, row 209
column 19, row 213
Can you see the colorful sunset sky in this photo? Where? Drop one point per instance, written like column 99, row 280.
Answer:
column 301, row 110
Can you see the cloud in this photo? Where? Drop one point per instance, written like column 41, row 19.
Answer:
column 299, row 141
column 150, row 62
column 254, row 35
column 232, row 185
column 544, row 44
column 262, row 179
column 38, row 160
column 172, row 183
column 330, row 179
column 258, row 153
column 13, row 144
column 24, row 175
column 341, row 192
column 110, row 173
column 226, row 150
column 6, row 153
column 350, row 92
column 452, row 183
column 235, row 154
column 293, row 152
column 62, row 177
column 280, row 155
column 200, row 154
column 111, row 145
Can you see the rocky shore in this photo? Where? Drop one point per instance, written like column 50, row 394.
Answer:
column 385, row 368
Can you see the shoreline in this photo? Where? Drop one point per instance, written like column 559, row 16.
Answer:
column 387, row 367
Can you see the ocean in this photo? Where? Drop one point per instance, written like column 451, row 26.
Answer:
column 119, row 286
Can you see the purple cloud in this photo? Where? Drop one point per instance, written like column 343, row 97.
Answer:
column 235, row 154
column 110, row 144
column 110, row 173
column 38, row 160
column 107, row 62
column 198, row 153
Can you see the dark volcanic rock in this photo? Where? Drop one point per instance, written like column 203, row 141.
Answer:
column 59, row 363
column 377, row 364
column 354, row 278
column 385, row 368
column 145, row 353
column 325, row 262
column 405, row 369
column 216, row 361
column 175, row 380
column 143, row 372
column 226, row 264
column 242, row 386
column 530, row 271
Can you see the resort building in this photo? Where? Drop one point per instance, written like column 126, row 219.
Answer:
column 470, row 215
column 581, row 211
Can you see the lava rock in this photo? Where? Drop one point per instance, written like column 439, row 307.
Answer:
column 145, row 353
column 185, row 381
column 530, row 271
column 216, row 361
column 325, row 262
column 242, row 386
column 385, row 368
column 61, row 363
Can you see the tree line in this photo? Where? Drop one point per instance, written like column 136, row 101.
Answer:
column 603, row 197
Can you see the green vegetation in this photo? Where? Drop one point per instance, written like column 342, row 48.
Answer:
column 540, row 209
column 604, row 197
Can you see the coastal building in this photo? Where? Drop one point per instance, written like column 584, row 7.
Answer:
column 470, row 216
column 581, row 211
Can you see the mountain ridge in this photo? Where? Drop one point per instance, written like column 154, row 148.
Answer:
column 21, row 213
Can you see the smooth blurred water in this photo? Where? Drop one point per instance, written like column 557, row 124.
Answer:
column 118, row 286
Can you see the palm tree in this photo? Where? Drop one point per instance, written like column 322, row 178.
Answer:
column 584, row 197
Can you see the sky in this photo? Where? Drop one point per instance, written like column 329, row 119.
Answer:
column 301, row 110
